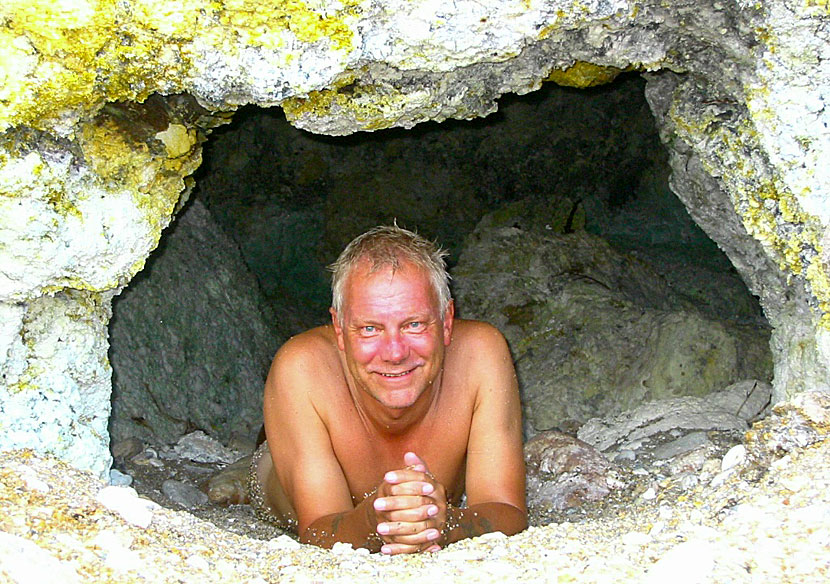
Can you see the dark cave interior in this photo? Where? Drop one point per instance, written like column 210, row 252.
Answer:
column 558, row 158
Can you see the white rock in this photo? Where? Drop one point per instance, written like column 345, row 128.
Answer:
column 690, row 562
column 126, row 502
column 284, row 542
column 23, row 561
column 734, row 456
column 650, row 494
column 341, row 548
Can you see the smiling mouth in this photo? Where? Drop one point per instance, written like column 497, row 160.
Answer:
column 401, row 374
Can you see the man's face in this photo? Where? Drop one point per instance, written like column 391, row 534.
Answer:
column 393, row 334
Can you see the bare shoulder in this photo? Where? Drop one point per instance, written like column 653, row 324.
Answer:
column 313, row 351
column 477, row 339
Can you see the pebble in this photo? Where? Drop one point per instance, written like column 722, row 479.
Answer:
column 199, row 447
column 120, row 479
column 649, row 494
column 126, row 502
column 733, row 457
column 184, row 495
column 284, row 542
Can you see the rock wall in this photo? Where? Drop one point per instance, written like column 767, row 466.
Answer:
column 594, row 332
column 92, row 162
column 192, row 340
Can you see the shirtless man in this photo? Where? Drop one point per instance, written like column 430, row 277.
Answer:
column 378, row 423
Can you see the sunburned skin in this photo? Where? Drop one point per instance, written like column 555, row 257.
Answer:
column 378, row 423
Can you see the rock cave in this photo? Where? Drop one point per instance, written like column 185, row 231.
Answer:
column 631, row 191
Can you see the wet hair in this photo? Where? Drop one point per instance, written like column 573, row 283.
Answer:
column 391, row 246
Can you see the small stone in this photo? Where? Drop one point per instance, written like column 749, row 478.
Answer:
column 184, row 495
column 734, row 456
column 341, row 548
column 649, row 494
column 492, row 536
column 199, row 447
column 125, row 502
column 284, row 542
column 120, row 479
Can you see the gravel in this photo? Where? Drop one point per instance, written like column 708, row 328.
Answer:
column 764, row 516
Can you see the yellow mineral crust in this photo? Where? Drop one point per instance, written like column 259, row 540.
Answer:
column 801, row 237
column 582, row 74
column 370, row 106
column 74, row 55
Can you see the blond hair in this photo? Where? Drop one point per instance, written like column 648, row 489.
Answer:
column 391, row 246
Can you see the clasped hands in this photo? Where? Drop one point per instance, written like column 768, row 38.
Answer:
column 410, row 508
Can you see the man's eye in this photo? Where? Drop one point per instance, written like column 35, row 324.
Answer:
column 416, row 325
column 369, row 329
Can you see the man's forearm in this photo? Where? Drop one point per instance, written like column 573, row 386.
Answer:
column 356, row 527
column 483, row 518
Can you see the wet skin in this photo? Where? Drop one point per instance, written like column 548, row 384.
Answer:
column 377, row 425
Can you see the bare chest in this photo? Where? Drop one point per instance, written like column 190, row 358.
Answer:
column 365, row 457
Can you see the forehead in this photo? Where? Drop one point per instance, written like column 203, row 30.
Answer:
column 409, row 285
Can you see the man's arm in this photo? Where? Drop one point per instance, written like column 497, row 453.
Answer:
column 303, row 456
column 495, row 479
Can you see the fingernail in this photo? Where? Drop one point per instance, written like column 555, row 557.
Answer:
column 427, row 489
column 386, row 549
column 390, row 477
column 433, row 534
column 432, row 511
column 383, row 528
column 380, row 504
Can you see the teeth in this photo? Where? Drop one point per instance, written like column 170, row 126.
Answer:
column 394, row 374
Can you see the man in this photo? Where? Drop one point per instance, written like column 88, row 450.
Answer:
column 378, row 423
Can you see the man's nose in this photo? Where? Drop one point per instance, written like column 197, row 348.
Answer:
column 394, row 347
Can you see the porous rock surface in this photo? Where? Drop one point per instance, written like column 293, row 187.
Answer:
column 93, row 158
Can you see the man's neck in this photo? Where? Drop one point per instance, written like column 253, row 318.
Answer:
column 395, row 423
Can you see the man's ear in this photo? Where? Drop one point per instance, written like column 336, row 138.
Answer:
column 338, row 330
column 449, row 317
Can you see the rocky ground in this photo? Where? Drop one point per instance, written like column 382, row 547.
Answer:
column 723, row 507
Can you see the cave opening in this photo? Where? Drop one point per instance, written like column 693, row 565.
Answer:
column 243, row 266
